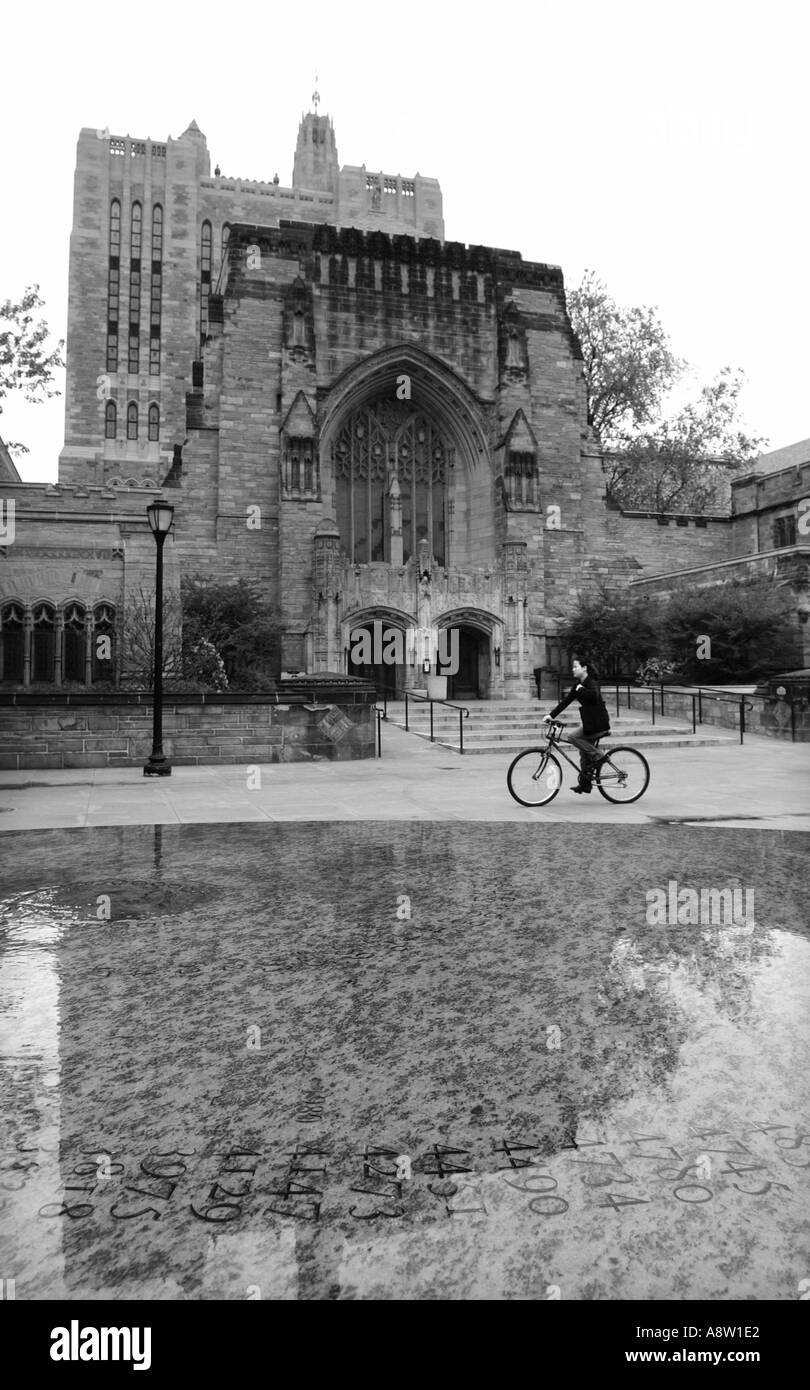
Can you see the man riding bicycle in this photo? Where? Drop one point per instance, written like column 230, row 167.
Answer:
column 595, row 720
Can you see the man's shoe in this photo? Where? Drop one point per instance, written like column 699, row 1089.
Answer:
column 579, row 790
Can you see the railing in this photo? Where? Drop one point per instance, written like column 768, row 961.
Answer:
column 394, row 693
column 381, row 715
column 697, row 696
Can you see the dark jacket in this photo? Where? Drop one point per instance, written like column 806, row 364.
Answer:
column 593, row 712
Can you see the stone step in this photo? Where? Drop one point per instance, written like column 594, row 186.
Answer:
column 528, row 733
column 510, row 748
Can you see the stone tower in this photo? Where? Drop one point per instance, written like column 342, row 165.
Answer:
column 316, row 162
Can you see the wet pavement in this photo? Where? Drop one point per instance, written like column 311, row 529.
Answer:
column 407, row 1059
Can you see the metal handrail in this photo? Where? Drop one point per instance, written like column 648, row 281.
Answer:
column 698, row 693
column 395, row 691
column 380, row 717
column 743, row 702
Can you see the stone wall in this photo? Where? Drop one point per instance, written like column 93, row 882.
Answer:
column 116, row 731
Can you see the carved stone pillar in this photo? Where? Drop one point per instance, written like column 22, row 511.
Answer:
column 395, row 517
column 327, row 575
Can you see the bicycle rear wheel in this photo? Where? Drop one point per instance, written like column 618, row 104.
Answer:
column 622, row 775
column 534, row 777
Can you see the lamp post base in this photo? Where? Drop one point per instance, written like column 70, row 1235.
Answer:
column 157, row 766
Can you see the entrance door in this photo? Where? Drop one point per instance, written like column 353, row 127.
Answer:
column 465, row 685
column 385, row 675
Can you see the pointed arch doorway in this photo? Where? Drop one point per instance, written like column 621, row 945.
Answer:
column 372, row 643
column 472, row 680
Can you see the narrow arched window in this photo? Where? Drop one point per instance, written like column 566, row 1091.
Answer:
column 205, row 279
column 136, row 227
column 226, row 236
column 115, row 228
column 73, row 644
column 103, row 654
column 154, row 423
column 133, row 364
column 156, row 289
column 157, row 232
column 113, row 285
column 43, row 643
column 12, row 643
column 110, row 420
column 132, row 421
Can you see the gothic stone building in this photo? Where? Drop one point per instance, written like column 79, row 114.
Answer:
column 374, row 424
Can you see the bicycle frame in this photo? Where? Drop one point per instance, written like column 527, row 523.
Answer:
column 555, row 737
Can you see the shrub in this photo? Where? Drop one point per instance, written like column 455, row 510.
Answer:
column 747, row 622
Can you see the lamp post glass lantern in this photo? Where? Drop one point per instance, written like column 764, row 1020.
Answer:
column 160, row 515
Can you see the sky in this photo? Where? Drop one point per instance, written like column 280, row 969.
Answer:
column 662, row 145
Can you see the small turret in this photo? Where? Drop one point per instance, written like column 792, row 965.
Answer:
column 194, row 135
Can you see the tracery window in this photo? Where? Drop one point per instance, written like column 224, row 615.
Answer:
column 375, row 443
column 12, row 644
column 73, row 644
column 521, row 474
column 44, row 648
column 103, row 666
column 300, row 478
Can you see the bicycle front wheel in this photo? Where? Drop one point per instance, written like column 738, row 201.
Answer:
column 622, row 775
column 534, row 777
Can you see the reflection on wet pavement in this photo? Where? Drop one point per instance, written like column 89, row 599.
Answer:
column 397, row 1060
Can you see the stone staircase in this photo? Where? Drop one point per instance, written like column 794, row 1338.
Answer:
column 506, row 726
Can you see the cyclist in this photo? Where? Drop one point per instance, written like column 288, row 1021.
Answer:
column 595, row 720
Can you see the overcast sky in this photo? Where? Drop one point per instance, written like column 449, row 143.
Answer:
column 665, row 146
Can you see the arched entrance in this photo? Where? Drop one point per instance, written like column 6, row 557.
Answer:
column 471, row 681
column 376, row 651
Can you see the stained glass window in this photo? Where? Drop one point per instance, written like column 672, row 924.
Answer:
column 376, row 442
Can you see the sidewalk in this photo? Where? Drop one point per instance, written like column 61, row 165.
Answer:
column 764, row 784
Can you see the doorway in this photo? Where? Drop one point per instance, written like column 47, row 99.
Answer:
column 384, row 640
column 471, row 681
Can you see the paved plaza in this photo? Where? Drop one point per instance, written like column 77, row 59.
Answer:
column 373, row 1030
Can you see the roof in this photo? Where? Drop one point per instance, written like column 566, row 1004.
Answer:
column 8, row 472
column 782, row 458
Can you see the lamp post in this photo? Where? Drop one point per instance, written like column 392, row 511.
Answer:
column 161, row 516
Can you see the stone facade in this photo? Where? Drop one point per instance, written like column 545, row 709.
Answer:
column 374, row 424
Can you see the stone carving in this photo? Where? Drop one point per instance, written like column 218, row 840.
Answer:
column 514, row 350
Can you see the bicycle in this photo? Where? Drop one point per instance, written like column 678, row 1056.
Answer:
column 535, row 776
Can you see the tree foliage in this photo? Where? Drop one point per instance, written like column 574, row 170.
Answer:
column 627, row 358
column 614, row 629
column 239, row 623
column 748, row 622
column 26, row 363
column 683, row 461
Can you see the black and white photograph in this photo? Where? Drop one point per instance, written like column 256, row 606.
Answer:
column 405, row 668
